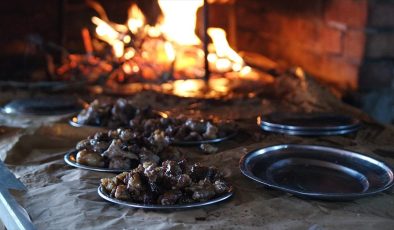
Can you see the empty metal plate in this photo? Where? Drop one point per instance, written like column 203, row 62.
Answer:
column 70, row 159
column 219, row 199
column 309, row 124
column 317, row 171
column 46, row 106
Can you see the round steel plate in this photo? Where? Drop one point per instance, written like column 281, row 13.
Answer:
column 164, row 207
column 308, row 124
column 45, row 106
column 309, row 132
column 210, row 141
column 70, row 159
column 317, row 172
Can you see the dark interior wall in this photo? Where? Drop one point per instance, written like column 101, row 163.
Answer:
column 377, row 71
column 20, row 19
column 26, row 27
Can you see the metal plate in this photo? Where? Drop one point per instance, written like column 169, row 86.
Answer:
column 43, row 106
column 309, row 132
column 70, row 159
column 309, row 124
column 317, row 172
column 74, row 121
column 164, row 207
column 309, row 121
column 229, row 135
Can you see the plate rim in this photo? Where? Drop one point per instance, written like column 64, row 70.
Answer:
column 217, row 200
column 356, row 122
column 69, row 162
column 322, row 196
column 62, row 112
column 309, row 132
column 77, row 125
column 40, row 114
column 210, row 141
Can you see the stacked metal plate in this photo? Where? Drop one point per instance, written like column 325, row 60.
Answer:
column 308, row 124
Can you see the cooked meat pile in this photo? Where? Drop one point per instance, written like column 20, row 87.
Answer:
column 124, row 149
column 174, row 182
column 113, row 114
column 184, row 129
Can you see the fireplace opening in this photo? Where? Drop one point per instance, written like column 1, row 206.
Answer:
column 135, row 45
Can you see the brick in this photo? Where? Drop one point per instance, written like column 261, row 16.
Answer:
column 251, row 5
column 340, row 72
column 353, row 13
column 331, row 40
column 381, row 14
column 380, row 44
column 376, row 74
column 296, row 30
column 248, row 41
column 354, row 45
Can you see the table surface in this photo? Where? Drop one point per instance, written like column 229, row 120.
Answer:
column 62, row 197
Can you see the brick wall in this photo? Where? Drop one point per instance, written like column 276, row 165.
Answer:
column 377, row 71
column 325, row 37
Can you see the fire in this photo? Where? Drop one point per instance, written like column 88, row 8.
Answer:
column 108, row 34
column 167, row 51
column 226, row 57
column 180, row 21
column 188, row 88
column 136, row 19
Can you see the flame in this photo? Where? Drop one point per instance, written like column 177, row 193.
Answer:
column 224, row 51
column 129, row 54
column 170, row 51
column 127, row 68
column 188, row 88
column 105, row 31
column 136, row 19
column 118, row 48
column 108, row 34
column 180, row 21
column 171, row 46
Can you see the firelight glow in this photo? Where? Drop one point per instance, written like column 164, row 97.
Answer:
column 222, row 48
column 136, row 19
column 171, row 45
column 105, row 31
column 180, row 21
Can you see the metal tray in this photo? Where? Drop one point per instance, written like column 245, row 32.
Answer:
column 70, row 159
column 164, row 207
column 317, row 172
column 229, row 135
column 45, row 106
column 309, row 124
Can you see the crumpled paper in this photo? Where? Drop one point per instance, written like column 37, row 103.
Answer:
column 63, row 197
